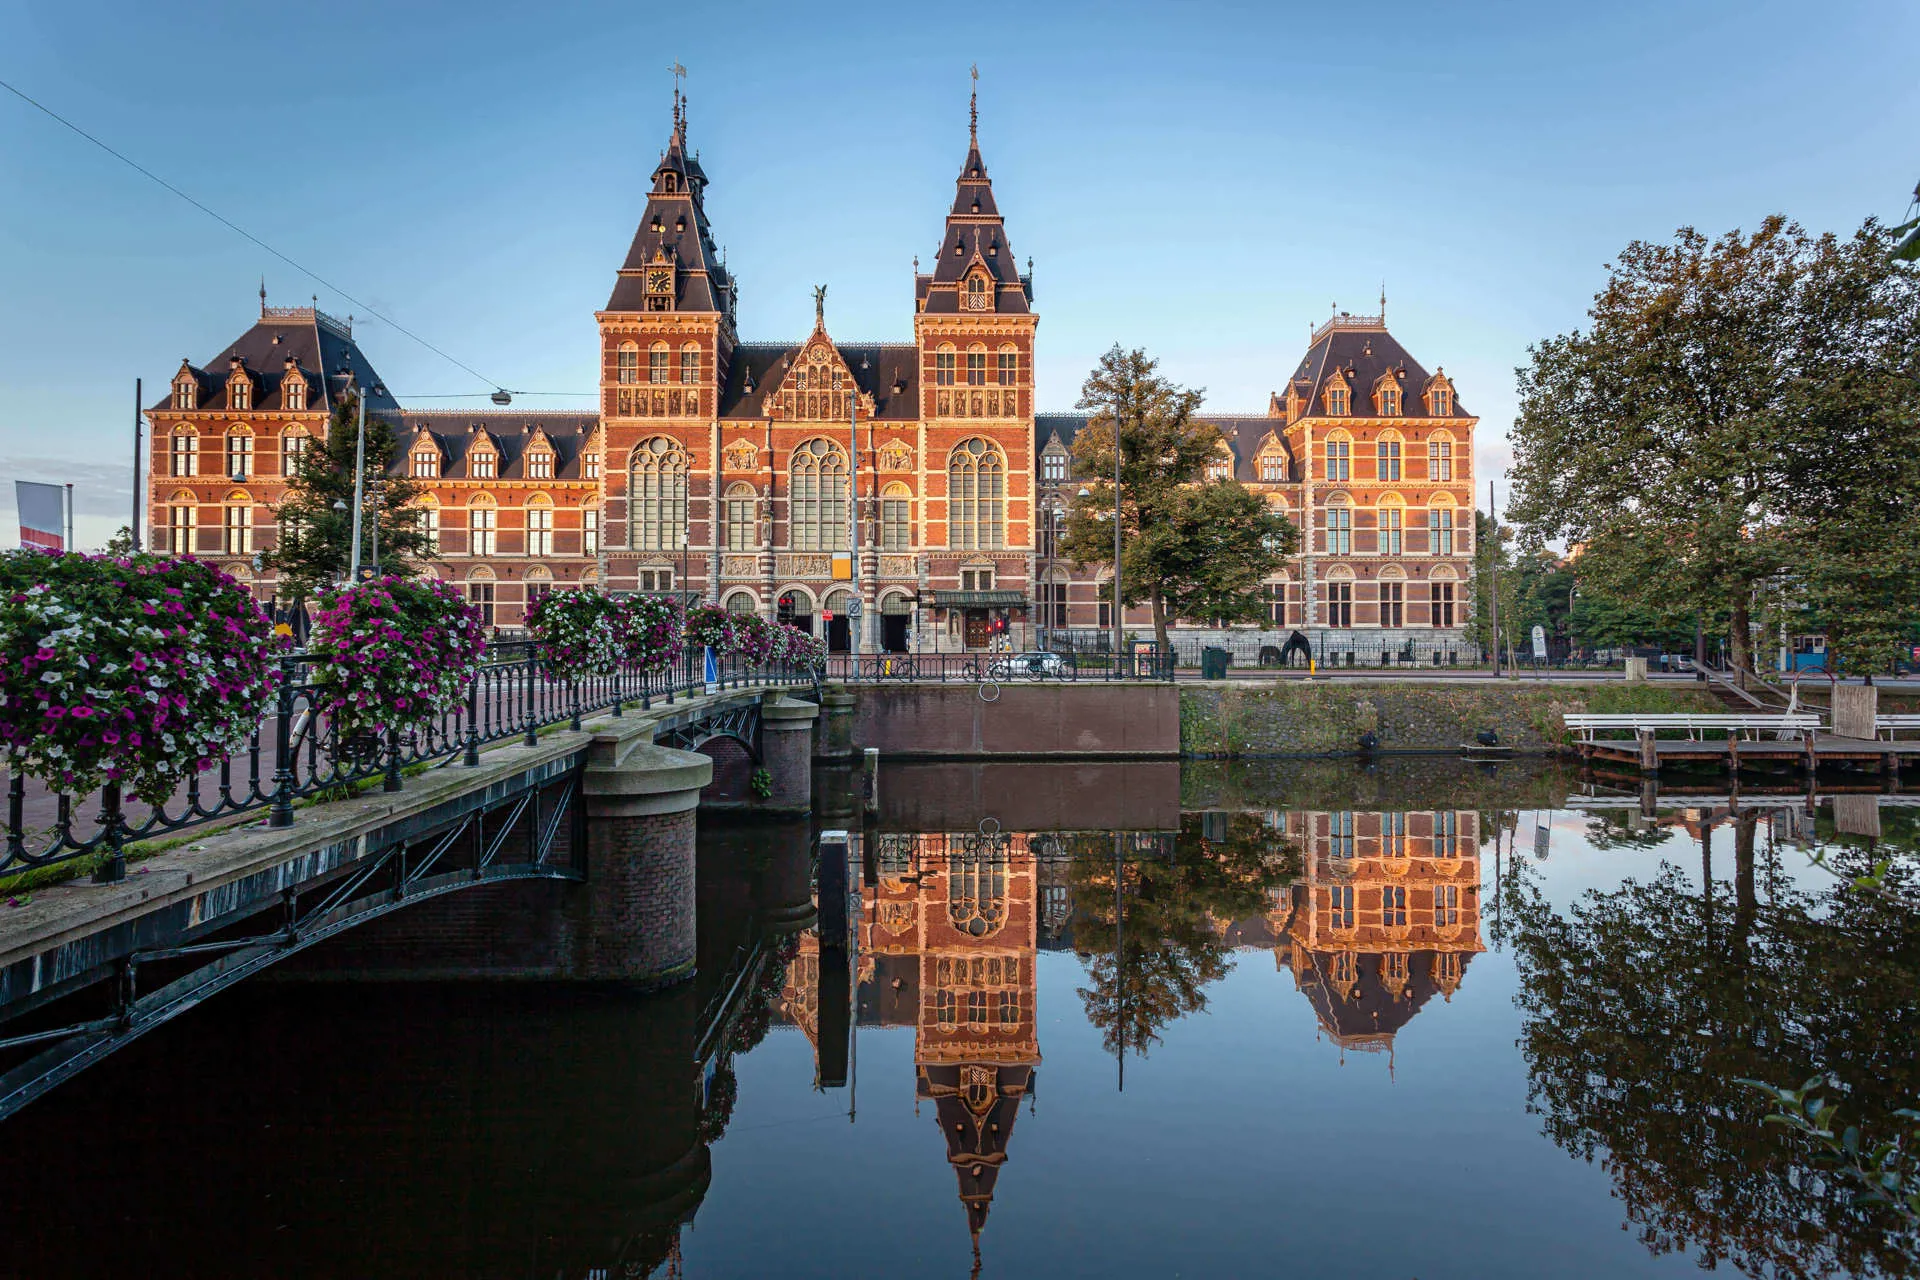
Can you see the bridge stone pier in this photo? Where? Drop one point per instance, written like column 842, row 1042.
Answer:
column 640, row 802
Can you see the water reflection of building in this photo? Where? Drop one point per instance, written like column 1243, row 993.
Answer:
column 947, row 935
column 1385, row 915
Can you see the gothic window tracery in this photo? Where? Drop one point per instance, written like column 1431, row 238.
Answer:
column 976, row 496
column 819, row 497
column 657, row 496
column 977, row 891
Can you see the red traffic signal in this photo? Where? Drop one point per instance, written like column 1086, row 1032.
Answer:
column 828, row 615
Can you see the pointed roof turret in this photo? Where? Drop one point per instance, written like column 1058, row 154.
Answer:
column 975, row 244
column 674, row 264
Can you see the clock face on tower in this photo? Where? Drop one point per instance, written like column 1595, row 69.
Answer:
column 659, row 281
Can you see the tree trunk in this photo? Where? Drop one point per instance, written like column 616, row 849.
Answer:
column 1160, row 621
column 1742, row 636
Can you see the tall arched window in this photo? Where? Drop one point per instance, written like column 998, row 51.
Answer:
column 629, row 362
column 690, row 363
column 896, row 517
column 819, row 489
column 977, row 890
column 976, row 366
column 483, row 525
column 238, row 522
column 943, row 365
column 239, row 452
column 737, row 532
column 539, row 525
column 1339, row 457
column 185, row 458
column 429, row 518
column 1009, row 370
column 657, row 362
column 1440, row 456
column 976, row 497
column 657, row 496
column 182, row 517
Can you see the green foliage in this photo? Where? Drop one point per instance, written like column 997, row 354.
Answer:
column 121, row 543
column 1886, row 1173
column 1189, row 549
column 1740, row 412
column 761, row 782
column 1150, row 942
column 1644, row 1008
column 315, row 537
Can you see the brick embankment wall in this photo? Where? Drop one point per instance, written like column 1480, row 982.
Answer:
column 1074, row 720
column 1299, row 718
column 1402, row 782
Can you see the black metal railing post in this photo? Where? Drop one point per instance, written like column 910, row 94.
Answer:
column 471, row 757
column 532, row 691
column 281, row 812
column 16, row 819
column 573, row 689
column 112, row 868
column 392, row 782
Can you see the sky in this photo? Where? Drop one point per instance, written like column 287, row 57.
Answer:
column 1205, row 181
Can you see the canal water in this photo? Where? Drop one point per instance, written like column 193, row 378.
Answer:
column 1423, row 1020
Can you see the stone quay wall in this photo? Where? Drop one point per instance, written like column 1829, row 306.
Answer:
column 1074, row 720
column 1321, row 718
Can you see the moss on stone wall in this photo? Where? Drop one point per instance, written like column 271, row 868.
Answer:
column 1327, row 717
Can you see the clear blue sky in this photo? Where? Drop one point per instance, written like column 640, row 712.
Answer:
column 1202, row 180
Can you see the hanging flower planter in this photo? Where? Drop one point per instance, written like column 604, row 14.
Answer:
column 139, row 670
column 391, row 653
column 577, row 633
column 652, row 632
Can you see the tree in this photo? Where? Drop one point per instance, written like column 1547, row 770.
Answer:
column 1739, row 411
column 121, row 543
column 315, row 517
column 1190, row 548
column 1643, row 1009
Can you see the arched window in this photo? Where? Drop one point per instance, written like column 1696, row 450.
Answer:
column 1440, row 540
column 240, row 392
column 239, row 452
column 539, row 525
column 182, row 517
column 896, row 517
column 1387, row 456
column 976, row 497
column 977, row 292
column 943, row 366
column 1339, row 455
column 295, row 395
column 539, row 464
column 742, row 602
column 629, row 362
column 657, row 495
column 184, row 460
column 483, row 525
column 976, row 365
column 1391, row 516
column 819, row 501
column 737, row 532
column 238, row 524
column 590, row 527
column 977, row 891
column 429, row 518
column 186, row 393
column 1342, row 915
column 293, row 447
column 1440, row 457
column 657, row 362
column 1009, row 369
column 1339, row 521
column 690, row 364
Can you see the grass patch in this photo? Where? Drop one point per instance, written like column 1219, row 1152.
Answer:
column 23, row 882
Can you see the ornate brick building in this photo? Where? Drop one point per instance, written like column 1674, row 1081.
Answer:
column 737, row 471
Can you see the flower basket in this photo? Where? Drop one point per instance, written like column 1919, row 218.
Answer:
column 652, row 632
column 391, row 653
column 139, row 670
column 711, row 627
column 577, row 633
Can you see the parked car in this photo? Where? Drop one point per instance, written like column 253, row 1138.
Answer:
column 1037, row 665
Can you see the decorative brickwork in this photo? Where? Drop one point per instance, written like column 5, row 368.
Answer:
column 640, row 901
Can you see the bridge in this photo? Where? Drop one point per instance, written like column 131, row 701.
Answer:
column 606, row 803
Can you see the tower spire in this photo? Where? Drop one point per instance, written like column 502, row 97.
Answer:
column 1383, row 302
column 973, row 107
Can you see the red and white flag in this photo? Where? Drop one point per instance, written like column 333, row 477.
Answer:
column 43, row 510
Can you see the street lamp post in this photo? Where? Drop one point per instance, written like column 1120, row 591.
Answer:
column 1119, row 624
column 359, row 474
column 856, row 614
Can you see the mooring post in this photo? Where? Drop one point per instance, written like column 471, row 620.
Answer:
column 835, row 989
column 870, row 780
column 1649, row 752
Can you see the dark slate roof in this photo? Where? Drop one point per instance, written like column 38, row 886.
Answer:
column 1244, row 433
column 976, row 231
column 455, row 430
column 1364, row 346
column 321, row 347
column 887, row 365
column 685, row 240
column 1369, row 1015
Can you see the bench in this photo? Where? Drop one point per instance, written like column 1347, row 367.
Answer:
column 1588, row 727
column 1891, row 726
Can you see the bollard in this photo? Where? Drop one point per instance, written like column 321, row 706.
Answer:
column 870, row 780
column 835, row 848
column 834, row 1022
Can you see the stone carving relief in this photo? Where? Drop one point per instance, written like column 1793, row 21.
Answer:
column 896, row 455
column 805, row 566
column 741, row 455
column 740, row 566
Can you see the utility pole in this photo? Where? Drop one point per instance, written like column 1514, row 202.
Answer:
column 1493, row 574
column 359, row 476
column 1119, row 625
column 134, row 528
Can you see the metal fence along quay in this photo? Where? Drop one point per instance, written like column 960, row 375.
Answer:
column 996, row 668
column 295, row 754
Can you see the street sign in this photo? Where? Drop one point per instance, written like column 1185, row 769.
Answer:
column 853, row 609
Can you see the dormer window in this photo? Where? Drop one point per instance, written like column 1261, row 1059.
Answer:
column 978, row 299
column 185, row 394
column 590, row 466
column 480, row 465
column 240, row 393
column 1337, row 401
column 1441, row 398
column 669, row 181
column 1219, row 469
column 1273, row 468
column 1053, row 466
column 425, row 463
column 1390, row 402
column 296, row 390
column 539, row 465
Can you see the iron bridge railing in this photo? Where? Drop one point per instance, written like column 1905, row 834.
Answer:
column 997, row 668
column 295, row 753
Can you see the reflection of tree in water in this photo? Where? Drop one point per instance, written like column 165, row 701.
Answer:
column 748, row 1031
column 1644, row 1006
column 1175, row 909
